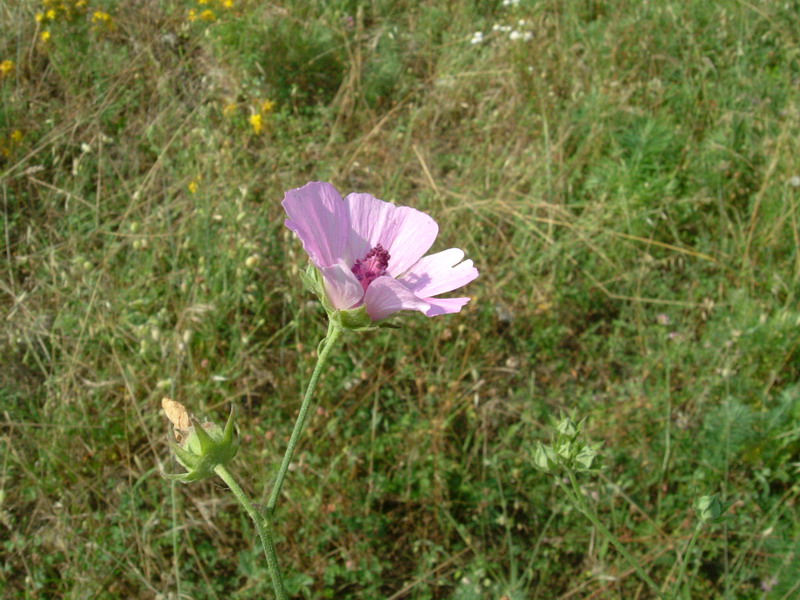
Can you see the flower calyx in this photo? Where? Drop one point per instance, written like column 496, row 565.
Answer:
column 353, row 319
column 565, row 451
column 710, row 509
column 201, row 447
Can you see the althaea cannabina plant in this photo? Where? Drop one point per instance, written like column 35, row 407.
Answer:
column 370, row 254
column 367, row 264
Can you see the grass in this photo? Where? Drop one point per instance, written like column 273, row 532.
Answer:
column 624, row 182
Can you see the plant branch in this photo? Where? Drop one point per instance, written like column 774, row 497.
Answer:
column 263, row 526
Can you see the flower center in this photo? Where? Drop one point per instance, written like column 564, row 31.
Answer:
column 372, row 266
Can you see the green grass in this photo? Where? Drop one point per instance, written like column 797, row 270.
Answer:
column 623, row 181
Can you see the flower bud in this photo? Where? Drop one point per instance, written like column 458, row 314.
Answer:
column 709, row 509
column 566, row 449
column 585, row 458
column 544, row 458
column 566, row 427
column 202, row 447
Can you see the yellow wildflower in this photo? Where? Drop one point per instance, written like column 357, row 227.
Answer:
column 45, row 36
column 257, row 122
column 6, row 67
column 16, row 136
column 193, row 185
column 81, row 4
column 229, row 109
column 202, row 1
column 208, row 15
column 100, row 16
column 267, row 106
column 39, row 17
column 192, row 16
column 227, row 3
column 50, row 14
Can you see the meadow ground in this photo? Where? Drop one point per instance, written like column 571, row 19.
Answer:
column 624, row 174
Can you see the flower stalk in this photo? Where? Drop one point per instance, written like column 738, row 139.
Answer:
column 685, row 559
column 326, row 345
column 576, row 495
column 263, row 526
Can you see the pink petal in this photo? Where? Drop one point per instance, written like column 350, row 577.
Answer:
column 343, row 289
column 318, row 215
column 439, row 273
column 406, row 233
column 444, row 306
column 386, row 295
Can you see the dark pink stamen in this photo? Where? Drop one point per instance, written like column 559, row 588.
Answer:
column 372, row 266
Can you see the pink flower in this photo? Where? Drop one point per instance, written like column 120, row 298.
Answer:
column 370, row 253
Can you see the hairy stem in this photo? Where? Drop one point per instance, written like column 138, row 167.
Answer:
column 577, row 497
column 327, row 345
column 263, row 526
column 685, row 559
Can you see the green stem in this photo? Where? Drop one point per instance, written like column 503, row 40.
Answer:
column 327, row 345
column 583, row 506
column 175, row 553
column 263, row 526
column 686, row 554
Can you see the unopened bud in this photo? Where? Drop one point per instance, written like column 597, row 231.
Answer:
column 544, row 458
column 709, row 509
column 567, row 427
column 202, row 447
column 585, row 458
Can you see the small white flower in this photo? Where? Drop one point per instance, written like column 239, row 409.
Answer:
column 477, row 38
column 510, row 2
column 527, row 36
column 515, row 35
column 794, row 181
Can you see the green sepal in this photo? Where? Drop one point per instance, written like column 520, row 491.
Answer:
column 545, row 458
column 182, row 477
column 311, row 279
column 188, row 459
column 567, row 428
column 204, row 448
column 313, row 282
column 227, row 433
column 710, row 509
column 353, row 319
column 585, row 458
column 566, row 449
column 206, row 442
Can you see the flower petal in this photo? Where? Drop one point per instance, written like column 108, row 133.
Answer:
column 439, row 273
column 386, row 295
column 318, row 215
column 444, row 306
column 406, row 233
column 343, row 289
